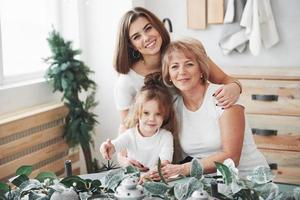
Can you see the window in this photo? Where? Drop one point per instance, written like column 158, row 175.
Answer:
column 24, row 27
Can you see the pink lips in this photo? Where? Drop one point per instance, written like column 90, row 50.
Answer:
column 150, row 44
column 183, row 80
column 151, row 125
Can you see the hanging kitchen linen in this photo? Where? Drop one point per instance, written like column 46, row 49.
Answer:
column 257, row 25
column 250, row 20
column 233, row 35
column 269, row 33
column 260, row 25
column 229, row 15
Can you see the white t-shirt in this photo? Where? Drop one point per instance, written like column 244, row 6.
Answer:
column 146, row 150
column 200, row 134
column 126, row 89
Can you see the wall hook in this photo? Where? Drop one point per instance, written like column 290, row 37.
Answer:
column 168, row 21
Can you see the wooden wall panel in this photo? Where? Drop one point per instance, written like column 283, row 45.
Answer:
column 215, row 11
column 34, row 138
column 196, row 14
column 280, row 117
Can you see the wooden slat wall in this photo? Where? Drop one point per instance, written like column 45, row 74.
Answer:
column 288, row 93
column 35, row 138
column 281, row 116
column 264, row 73
column 288, row 165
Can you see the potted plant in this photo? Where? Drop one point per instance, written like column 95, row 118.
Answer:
column 70, row 76
column 46, row 186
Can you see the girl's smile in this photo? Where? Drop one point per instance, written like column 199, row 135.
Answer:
column 151, row 118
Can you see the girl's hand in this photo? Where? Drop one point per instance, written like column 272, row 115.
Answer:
column 107, row 149
column 227, row 95
column 168, row 171
column 144, row 177
column 138, row 165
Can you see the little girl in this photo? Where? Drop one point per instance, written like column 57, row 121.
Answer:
column 146, row 140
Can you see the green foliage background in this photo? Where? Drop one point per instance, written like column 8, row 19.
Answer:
column 70, row 76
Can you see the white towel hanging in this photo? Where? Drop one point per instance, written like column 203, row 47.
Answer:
column 260, row 25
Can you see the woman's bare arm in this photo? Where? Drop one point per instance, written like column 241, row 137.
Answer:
column 230, row 92
column 232, row 124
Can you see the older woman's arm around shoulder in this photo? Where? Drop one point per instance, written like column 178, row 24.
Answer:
column 232, row 127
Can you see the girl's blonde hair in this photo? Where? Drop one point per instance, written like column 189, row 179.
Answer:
column 192, row 49
column 124, row 52
column 154, row 89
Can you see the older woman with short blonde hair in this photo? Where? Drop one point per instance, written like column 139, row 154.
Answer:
column 207, row 131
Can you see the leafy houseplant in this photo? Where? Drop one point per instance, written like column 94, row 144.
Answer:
column 71, row 76
column 259, row 187
column 46, row 186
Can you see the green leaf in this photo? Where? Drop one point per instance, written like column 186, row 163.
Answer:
column 225, row 171
column 115, row 181
column 45, row 175
column 246, row 194
column 96, row 183
column 64, row 83
column 2, row 196
column 113, row 178
column 18, row 180
column 64, row 66
column 26, row 170
column 30, row 185
column 37, row 196
column 130, row 169
column 181, row 190
column 160, row 173
column 112, row 173
column 80, row 183
column 14, row 194
column 196, row 169
column 194, row 184
column 3, row 187
column 267, row 189
column 156, row 188
column 236, row 186
column 68, row 181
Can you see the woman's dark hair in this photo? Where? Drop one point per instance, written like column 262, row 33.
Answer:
column 124, row 58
